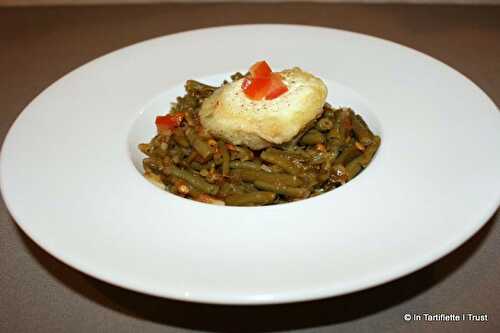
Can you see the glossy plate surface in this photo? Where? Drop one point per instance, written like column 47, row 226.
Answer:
column 70, row 175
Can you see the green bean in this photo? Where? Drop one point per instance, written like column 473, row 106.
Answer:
column 357, row 164
column 370, row 151
column 324, row 124
column 290, row 164
column 342, row 125
column 199, row 89
column 333, row 135
column 362, row 121
column 158, row 139
column 297, row 155
column 354, row 167
column 191, row 119
column 227, row 189
column 236, row 76
column 176, row 154
column 171, row 188
column 197, row 195
column 247, row 187
column 193, row 191
column 274, row 156
column 209, row 200
column 319, row 191
column 196, row 166
column 348, row 154
column 327, row 162
column 280, row 201
column 217, row 158
column 186, row 104
column 328, row 111
column 191, row 155
column 193, row 179
column 208, row 167
column 156, row 147
column 211, row 165
column 251, row 198
column 334, row 145
column 180, row 138
column 225, row 158
column 145, row 148
column 312, row 137
column 202, row 147
column 253, row 175
column 323, row 177
column 293, row 192
column 245, row 165
column 155, row 179
column 362, row 161
column 242, row 153
column 214, row 177
column 321, row 157
column 203, row 133
column 292, row 144
column 152, row 165
column 364, row 135
column 338, row 174
column 275, row 168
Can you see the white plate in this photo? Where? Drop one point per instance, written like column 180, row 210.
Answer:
column 69, row 171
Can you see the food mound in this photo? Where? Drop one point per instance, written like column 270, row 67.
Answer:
column 263, row 138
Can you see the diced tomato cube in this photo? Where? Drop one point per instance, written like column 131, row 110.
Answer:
column 258, row 88
column 169, row 122
column 277, row 87
column 262, row 82
column 246, row 82
column 260, row 70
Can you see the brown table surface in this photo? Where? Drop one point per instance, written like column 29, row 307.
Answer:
column 40, row 294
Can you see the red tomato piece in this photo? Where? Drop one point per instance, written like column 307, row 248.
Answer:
column 260, row 69
column 277, row 87
column 246, row 83
column 169, row 122
column 258, row 88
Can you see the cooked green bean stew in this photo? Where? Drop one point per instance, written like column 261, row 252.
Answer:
column 189, row 162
